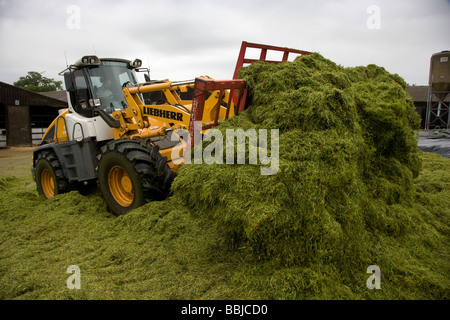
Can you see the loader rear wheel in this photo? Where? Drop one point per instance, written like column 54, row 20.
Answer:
column 132, row 173
column 47, row 183
column 50, row 179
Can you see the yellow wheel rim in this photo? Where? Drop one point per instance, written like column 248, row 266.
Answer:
column 47, row 183
column 120, row 186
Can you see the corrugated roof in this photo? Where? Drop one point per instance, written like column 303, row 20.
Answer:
column 420, row 94
column 58, row 95
column 9, row 94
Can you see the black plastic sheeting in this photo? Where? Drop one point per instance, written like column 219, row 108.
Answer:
column 437, row 141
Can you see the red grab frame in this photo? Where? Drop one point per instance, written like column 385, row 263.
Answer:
column 241, row 58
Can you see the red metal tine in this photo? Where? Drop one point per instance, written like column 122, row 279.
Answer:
column 198, row 104
column 262, row 57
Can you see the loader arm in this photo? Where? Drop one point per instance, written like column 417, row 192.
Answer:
column 212, row 100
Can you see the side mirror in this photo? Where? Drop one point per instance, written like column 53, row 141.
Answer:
column 95, row 103
column 68, row 82
column 146, row 74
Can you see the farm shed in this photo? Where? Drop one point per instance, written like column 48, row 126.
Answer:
column 25, row 115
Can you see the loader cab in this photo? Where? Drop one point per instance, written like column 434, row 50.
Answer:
column 97, row 83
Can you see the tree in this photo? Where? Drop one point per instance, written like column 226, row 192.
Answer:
column 34, row 81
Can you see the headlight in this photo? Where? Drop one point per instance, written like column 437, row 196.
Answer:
column 88, row 61
column 136, row 63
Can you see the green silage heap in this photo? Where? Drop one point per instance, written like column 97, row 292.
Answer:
column 345, row 197
column 348, row 156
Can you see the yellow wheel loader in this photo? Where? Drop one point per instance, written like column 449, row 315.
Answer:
column 121, row 134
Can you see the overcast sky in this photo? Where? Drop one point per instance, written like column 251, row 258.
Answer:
column 180, row 40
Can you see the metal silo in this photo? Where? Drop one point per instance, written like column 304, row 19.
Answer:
column 438, row 115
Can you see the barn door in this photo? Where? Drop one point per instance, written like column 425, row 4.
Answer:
column 19, row 132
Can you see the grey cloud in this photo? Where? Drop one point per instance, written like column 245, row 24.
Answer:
column 182, row 39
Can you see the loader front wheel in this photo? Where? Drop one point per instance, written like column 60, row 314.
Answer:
column 132, row 173
column 121, row 186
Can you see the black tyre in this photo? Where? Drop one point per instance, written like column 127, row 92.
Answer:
column 132, row 173
column 50, row 179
